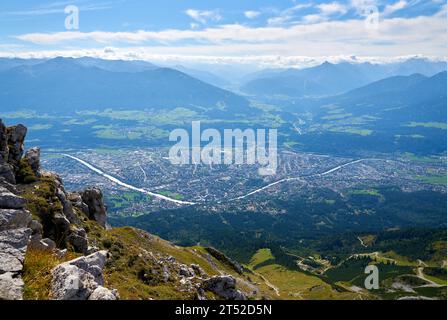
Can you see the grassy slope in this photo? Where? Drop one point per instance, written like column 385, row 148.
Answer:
column 292, row 284
column 133, row 253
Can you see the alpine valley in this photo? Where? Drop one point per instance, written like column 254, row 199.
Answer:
column 90, row 195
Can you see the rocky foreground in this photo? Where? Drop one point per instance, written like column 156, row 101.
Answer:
column 57, row 245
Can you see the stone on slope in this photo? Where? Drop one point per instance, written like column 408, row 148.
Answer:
column 37, row 243
column 11, row 287
column 16, row 138
column 93, row 198
column 224, row 287
column 66, row 203
column 7, row 185
column 81, row 279
column 8, row 200
column 71, row 283
column 13, row 219
column 77, row 237
column 13, row 245
column 33, row 157
column 76, row 200
column 4, row 149
column 102, row 293
column 6, row 172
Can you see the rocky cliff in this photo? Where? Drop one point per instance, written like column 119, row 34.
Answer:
column 36, row 215
column 55, row 244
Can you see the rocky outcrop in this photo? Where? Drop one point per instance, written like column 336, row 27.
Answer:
column 60, row 225
column 76, row 201
column 9, row 200
column 93, row 198
column 11, row 287
column 6, row 170
column 33, row 158
column 11, row 219
column 78, row 239
column 4, row 150
column 14, row 218
column 14, row 237
column 16, row 138
column 63, row 225
column 81, row 279
column 13, row 246
column 224, row 287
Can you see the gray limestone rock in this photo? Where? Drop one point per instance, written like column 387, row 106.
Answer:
column 9, row 200
column 93, row 198
column 33, row 157
column 224, row 287
column 81, row 279
column 11, row 287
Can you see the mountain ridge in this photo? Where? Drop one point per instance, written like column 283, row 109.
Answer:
column 64, row 85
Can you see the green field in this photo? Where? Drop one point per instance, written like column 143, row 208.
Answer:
column 435, row 125
column 290, row 284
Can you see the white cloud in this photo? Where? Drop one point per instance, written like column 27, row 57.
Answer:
column 328, row 9
column 286, row 15
column 158, row 56
column 252, row 14
column 361, row 6
column 58, row 8
column 391, row 8
column 313, row 18
column 397, row 36
column 203, row 16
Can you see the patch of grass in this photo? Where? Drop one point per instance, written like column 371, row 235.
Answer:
column 434, row 125
column 351, row 130
column 434, row 179
column 295, row 285
column 170, row 194
column 25, row 174
column 37, row 274
column 111, row 132
column 37, row 127
column 337, row 116
column 261, row 256
column 413, row 136
column 368, row 240
column 365, row 192
column 79, row 122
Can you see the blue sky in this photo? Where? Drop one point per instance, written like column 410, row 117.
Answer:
column 271, row 29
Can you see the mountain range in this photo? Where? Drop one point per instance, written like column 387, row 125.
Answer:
column 331, row 79
column 411, row 98
column 66, row 85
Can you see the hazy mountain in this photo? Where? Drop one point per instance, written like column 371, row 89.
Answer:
column 116, row 65
column 9, row 63
column 204, row 76
column 61, row 85
column 330, row 79
column 325, row 79
column 414, row 97
column 418, row 65
column 388, row 85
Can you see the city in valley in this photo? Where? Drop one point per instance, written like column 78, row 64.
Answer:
column 221, row 186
